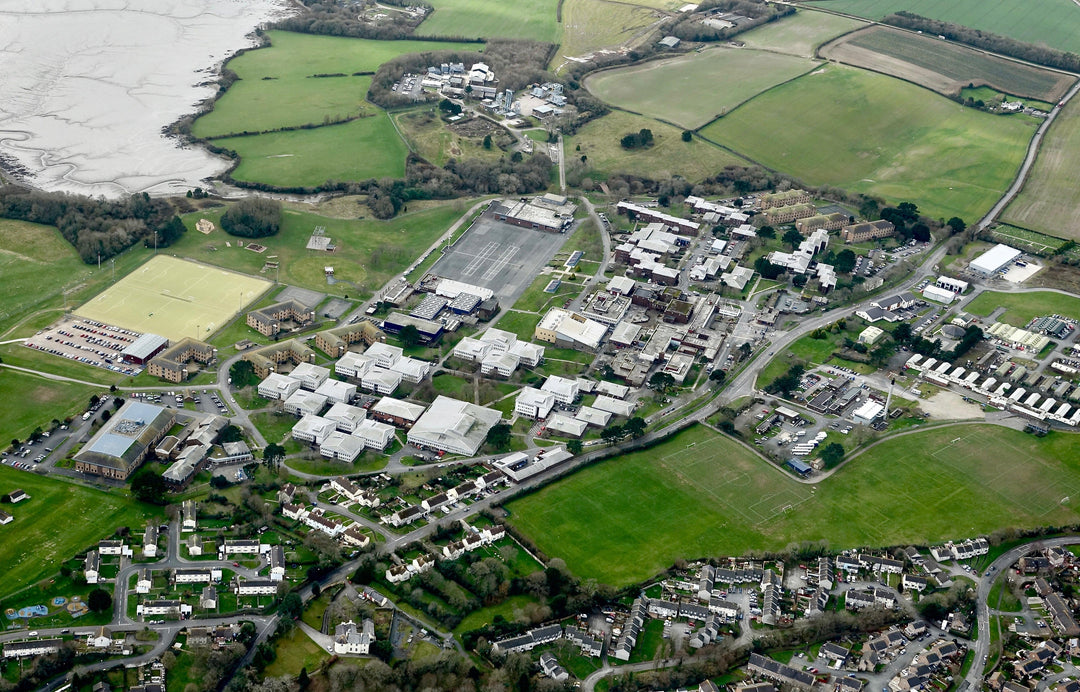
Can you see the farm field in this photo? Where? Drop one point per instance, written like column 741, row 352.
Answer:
column 668, row 156
column 1049, row 202
column 693, row 89
column 524, row 19
column 799, row 35
column 942, row 66
column 1021, row 308
column 698, row 493
column 1052, row 22
column 44, row 400
column 875, row 134
column 590, row 25
column 100, row 513
column 277, row 87
column 1026, row 240
column 369, row 251
column 357, row 150
column 174, row 298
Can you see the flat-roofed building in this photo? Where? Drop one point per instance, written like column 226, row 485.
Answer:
column 303, row 403
column 381, row 381
column 278, row 387
column 337, row 391
column 354, row 365
column 452, row 426
column 534, row 403
column 994, row 260
column 125, row 440
column 570, row 330
column 314, row 429
column 397, row 412
column 341, row 446
column 375, row 435
column 345, row 416
column 310, row 376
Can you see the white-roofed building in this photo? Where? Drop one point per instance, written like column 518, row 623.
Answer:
column 354, row 365
column 625, row 333
column 534, row 403
column 375, row 435
column 381, row 381
column 593, row 416
column 303, row 403
column 502, row 364
column 278, row 387
column 565, row 425
column 448, row 288
column 473, row 350
column 613, row 405
column 396, row 412
column 565, row 390
column 868, row 413
column 337, row 391
column 570, row 330
column 619, row 391
column 938, row 294
column 622, row 285
column 994, row 260
column 310, row 376
column 452, row 426
column 385, row 355
column 313, row 429
column 411, row 369
column 341, row 446
column 345, row 416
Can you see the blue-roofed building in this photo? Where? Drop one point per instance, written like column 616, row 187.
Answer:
column 799, row 467
column 125, row 440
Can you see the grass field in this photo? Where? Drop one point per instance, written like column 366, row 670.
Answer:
column 590, row 25
column 1050, row 22
column 526, row 19
column 174, row 298
column 37, row 266
column 365, row 148
column 698, row 493
column 799, row 35
column 428, row 136
column 43, row 401
column 99, row 514
column 1050, row 199
column 919, row 58
column 669, row 155
column 693, row 89
column 1020, row 308
column 369, row 252
column 870, row 133
column 276, row 87
column 1026, row 240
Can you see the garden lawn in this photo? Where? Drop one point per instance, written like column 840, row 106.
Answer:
column 693, row 89
column 1020, row 308
column 1049, row 202
column 366, row 148
column 879, row 135
column 522, row 19
column 90, row 516
column 668, row 156
column 295, row 651
column 1050, row 22
column 701, row 494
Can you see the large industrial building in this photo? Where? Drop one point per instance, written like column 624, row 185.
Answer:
column 994, row 260
column 452, row 426
column 144, row 348
column 125, row 440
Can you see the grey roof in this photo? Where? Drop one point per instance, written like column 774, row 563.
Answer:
column 144, row 346
column 126, row 435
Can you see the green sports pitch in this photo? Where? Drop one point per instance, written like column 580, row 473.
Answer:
column 174, row 298
column 699, row 494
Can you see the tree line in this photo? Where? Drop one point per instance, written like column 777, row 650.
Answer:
column 97, row 228
column 691, row 28
column 1041, row 55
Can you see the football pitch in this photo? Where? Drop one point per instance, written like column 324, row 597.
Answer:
column 174, row 298
column 700, row 494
